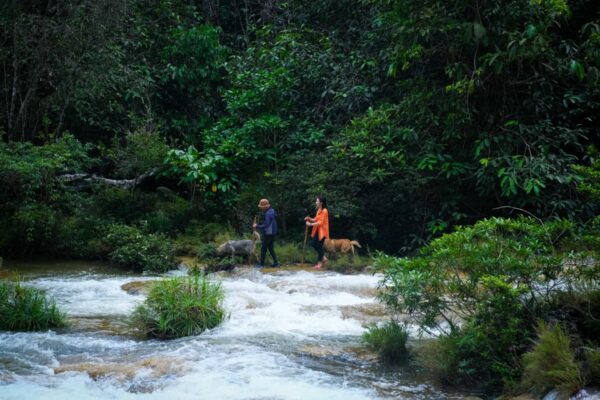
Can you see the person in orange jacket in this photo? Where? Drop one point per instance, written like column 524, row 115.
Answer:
column 320, row 229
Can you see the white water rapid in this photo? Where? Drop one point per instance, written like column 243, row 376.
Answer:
column 290, row 334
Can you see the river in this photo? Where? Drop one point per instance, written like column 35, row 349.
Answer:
column 290, row 334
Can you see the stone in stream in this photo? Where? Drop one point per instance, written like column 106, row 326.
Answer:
column 159, row 366
column 137, row 287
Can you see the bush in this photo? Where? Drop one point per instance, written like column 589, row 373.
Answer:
column 148, row 252
column 551, row 363
column 122, row 205
column 592, row 364
column 388, row 340
column 288, row 253
column 206, row 251
column 25, row 308
column 483, row 287
column 170, row 217
column 179, row 307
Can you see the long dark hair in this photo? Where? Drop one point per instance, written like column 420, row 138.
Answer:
column 323, row 201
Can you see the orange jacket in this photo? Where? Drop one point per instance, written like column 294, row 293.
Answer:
column 322, row 220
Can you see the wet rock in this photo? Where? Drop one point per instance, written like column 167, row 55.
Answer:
column 159, row 367
column 365, row 313
column 137, row 287
column 350, row 354
column 108, row 325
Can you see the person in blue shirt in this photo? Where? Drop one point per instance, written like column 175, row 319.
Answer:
column 269, row 231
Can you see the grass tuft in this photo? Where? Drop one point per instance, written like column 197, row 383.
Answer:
column 25, row 308
column 180, row 306
column 551, row 363
column 389, row 340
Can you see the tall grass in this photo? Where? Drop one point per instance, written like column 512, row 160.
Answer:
column 389, row 340
column 181, row 306
column 25, row 308
column 551, row 363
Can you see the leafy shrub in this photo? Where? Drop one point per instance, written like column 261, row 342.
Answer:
column 288, row 253
column 482, row 288
column 206, row 251
column 34, row 228
column 180, row 306
column 389, row 340
column 170, row 217
column 122, row 205
column 148, row 252
column 551, row 363
column 25, row 308
column 144, row 150
column 208, row 231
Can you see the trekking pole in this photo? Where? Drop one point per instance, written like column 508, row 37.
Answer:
column 304, row 246
column 253, row 241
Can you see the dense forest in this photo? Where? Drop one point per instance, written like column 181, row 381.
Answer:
column 464, row 135
column 411, row 117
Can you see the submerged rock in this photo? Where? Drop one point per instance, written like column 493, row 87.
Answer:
column 158, row 367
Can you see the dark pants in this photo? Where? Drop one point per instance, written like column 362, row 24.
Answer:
column 318, row 246
column 268, row 243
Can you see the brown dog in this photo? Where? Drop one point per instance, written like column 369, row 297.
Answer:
column 340, row 246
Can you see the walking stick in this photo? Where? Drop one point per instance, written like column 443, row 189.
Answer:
column 304, row 247
column 253, row 241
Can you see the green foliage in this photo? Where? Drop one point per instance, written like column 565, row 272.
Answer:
column 23, row 308
column 147, row 252
column 169, row 217
column 288, row 253
column 179, row 307
column 31, row 194
column 122, row 205
column 143, row 152
column 592, row 365
column 481, row 289
column 388, row 340
column 551, row 363
column 590, row 182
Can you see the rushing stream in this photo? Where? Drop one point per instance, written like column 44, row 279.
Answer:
column 290, row 334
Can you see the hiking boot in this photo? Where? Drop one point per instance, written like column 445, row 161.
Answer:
column 259, row 266
column 274, row 265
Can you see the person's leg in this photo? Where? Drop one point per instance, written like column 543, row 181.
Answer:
column 318, row 245
column 263, row 249
column 314, row 242
column 271, row 249
column 321, row 250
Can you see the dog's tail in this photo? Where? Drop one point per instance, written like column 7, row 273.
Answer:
column 355, row 243
column 255, row 236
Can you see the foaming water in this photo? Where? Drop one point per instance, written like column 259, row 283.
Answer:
column 291, row 335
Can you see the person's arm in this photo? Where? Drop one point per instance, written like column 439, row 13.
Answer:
column 315, row 221
column 268, row 220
